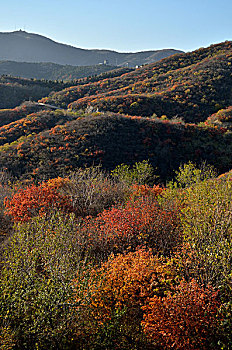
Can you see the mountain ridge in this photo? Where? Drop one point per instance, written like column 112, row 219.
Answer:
column 22, row 46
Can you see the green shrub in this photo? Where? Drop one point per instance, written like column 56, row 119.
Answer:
column 38, row 265
column 140, row 173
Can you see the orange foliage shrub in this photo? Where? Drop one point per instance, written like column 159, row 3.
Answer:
column 37, row 200
column 145, row 190
column 58, row 182
column 184, row 320
column 124, row 283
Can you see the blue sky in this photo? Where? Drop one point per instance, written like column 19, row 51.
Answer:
column 122, row 25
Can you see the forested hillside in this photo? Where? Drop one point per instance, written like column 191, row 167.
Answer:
column 15, row 90
column 116, row 208
column 38, row 146
column 192, row 86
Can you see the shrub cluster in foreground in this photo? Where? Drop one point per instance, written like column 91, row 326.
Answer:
column 106, row 261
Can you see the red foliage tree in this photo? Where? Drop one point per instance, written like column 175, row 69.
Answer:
column 140, row 222
column 185, row 320
column 37, row 200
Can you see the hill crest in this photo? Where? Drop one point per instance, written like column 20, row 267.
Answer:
column 22, row 46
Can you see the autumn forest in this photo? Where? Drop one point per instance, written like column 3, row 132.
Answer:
column 116, row 206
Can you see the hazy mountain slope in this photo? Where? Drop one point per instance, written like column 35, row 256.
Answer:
column 51, row 71
column 28, row 47
column 192, row 85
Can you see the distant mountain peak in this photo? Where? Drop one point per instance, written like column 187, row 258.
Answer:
column 16, row 46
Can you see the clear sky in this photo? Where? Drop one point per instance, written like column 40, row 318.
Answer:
column 122, row 25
